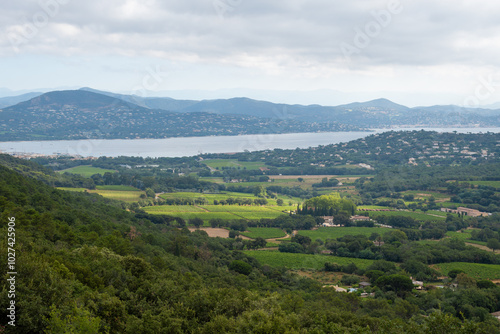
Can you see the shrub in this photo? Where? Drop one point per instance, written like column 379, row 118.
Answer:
column 240, row 267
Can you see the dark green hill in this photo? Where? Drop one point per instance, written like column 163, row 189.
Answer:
column 43, row 174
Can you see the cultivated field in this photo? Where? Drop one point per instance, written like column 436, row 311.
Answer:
column 233, row 163
column 419, row 215
column 495, row 184
column 224, row 212
column 264, row 232
column 125, row 196
column 213, row 232
column 120, row 193
column 87, row 171
column 475, row 270
column 226, row 194
column 117, row 188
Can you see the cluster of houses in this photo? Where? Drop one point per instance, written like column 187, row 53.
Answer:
column 419, row 285
column 466, row 212
column 330, row 223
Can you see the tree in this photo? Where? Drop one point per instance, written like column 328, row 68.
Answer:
column 240, row 267
column 373, row 275
column 260, row 191
column 291, row 247
column 395, row 235
column 150, row 193
column 215, row 222
column 279, row 201
column 400, row 284
column 342, row 219
column 349, row 280
column 493, row 244
column 329, row 205
column 79, row 320
column 301, row 239
column 454, row 273
column 259, row 243
column 233, row 234
column 486, row 284
column 196, row 222
column 465, row 281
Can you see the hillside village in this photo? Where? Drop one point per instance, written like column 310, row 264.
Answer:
column 396, row 147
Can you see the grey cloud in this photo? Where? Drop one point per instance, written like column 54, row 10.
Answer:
column 425, row 33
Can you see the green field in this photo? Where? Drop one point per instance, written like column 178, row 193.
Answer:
column 125, row 196
column 226, row 194
column 121, row 193
column 303, row 261
column 476, row 270
column 324, row 233
column 370, row 207
column 212, row 179
column 264, row 232
column 72, row 189
column 419, row 215
column 117, row 188
column 495, row 184
column 459, row 235
column 225, row 212
column 171, row 209
column 293, row 181
column 210, row 197
column 426, row 194
column 309, row 180
column 87, row 171
column 233, row 163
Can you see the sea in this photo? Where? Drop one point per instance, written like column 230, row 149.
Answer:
column 191, row 146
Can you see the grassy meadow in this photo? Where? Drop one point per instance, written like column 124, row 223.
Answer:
column 86, row 171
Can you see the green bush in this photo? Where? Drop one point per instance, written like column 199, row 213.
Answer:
column 241, row 267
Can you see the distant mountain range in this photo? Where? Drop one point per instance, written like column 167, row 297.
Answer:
column 81, row 114
column 89, row 113
column 371, row 114
column 12, row 100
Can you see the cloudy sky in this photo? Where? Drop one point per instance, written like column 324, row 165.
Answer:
column 415, row 52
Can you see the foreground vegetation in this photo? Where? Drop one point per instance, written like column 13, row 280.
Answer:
column 89, row 266
column 121, row 258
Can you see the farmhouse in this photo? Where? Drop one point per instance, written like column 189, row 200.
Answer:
column 329, row 222
column 419, row 284
column 364, row 284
